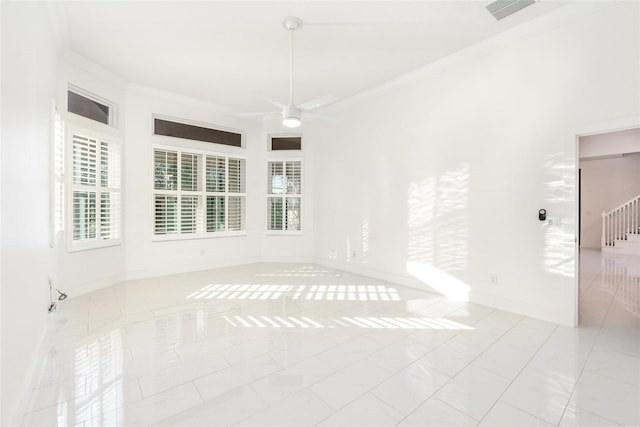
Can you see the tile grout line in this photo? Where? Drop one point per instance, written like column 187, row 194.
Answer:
column 519, row 372
column 464, row 367
column 579, row 376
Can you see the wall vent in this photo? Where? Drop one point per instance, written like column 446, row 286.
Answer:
column 502, row 8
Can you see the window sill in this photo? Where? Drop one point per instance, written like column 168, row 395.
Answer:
column 284, row 233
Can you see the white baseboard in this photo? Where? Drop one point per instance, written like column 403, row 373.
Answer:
column 169, row 270
column 513, row 306
column 399, row 279
column 94, row 285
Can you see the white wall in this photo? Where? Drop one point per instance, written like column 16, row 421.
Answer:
column 288, row 248
column 436, row 179
column 613, row 144
column 29, row 60
column 606, row 184
column 146, row 258
column 85, row 271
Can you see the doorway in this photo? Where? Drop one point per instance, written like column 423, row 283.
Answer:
column 603, row 155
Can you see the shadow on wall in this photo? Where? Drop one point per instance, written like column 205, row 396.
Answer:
column 439, row 231
column 559, row 246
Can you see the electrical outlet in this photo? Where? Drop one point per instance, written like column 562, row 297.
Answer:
column 353, row 254
column 493, row 279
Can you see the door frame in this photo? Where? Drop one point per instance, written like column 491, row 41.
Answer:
column 595, row 128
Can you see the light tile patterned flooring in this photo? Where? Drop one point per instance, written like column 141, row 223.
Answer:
column 294, row 345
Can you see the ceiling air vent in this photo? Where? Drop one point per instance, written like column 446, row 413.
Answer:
column 503, row 8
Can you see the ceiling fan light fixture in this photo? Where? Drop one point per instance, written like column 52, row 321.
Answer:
column 291, row 117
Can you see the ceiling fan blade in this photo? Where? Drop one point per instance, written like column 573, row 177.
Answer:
column 272, row 101
column 320, row 116
column 318, row 102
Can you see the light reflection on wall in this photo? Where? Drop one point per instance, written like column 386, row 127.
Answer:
column 439, row 231
column 364, row 237
column 439, row 280
column 559, row 237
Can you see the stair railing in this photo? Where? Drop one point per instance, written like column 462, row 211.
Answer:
column 621, row 221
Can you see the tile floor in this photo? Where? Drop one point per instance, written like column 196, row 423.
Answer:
column 295, row 345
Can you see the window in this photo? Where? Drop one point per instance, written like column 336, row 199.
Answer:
column 197, row 194
column 284, row 195
column 196, row 133
column 90, row 106
column 95, row 191
column 285, row 142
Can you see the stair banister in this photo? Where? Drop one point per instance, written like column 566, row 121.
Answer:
column 621, row 221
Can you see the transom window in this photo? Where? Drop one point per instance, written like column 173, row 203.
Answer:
column 197, row 194
column 90, row 106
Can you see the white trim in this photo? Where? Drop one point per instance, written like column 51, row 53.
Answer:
column 284, row 196
column 219, row 262
column 84, row 245
column 517, row 34
column 195, row 151
column 93, row 285
column 113, row 107
column 575, row 133
column 284, row 135
column 515, row 306
column 285, row 232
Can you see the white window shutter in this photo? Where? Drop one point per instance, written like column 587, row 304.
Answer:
column 96, row 195
column 284, row 189
column 208, row 199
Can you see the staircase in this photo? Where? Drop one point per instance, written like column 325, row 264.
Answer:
column 621, row 228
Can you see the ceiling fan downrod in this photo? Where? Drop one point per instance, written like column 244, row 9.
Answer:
column 291, row 114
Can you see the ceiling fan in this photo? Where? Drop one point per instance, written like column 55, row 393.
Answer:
column 292, row 113
column 291, row 116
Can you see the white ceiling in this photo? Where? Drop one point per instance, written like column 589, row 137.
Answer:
column 235, row 53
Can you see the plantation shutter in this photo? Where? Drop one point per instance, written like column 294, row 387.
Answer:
column 166, row 214
column 96, row 194
column 165, row 168
column 209, row 197
column 216, row 174
column 284, row 190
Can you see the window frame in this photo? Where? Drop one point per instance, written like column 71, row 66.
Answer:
column 283, row 196
column 243, row 138
column 82, row 245
column 284, row 135
column 112, row 121
column 200, row 192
